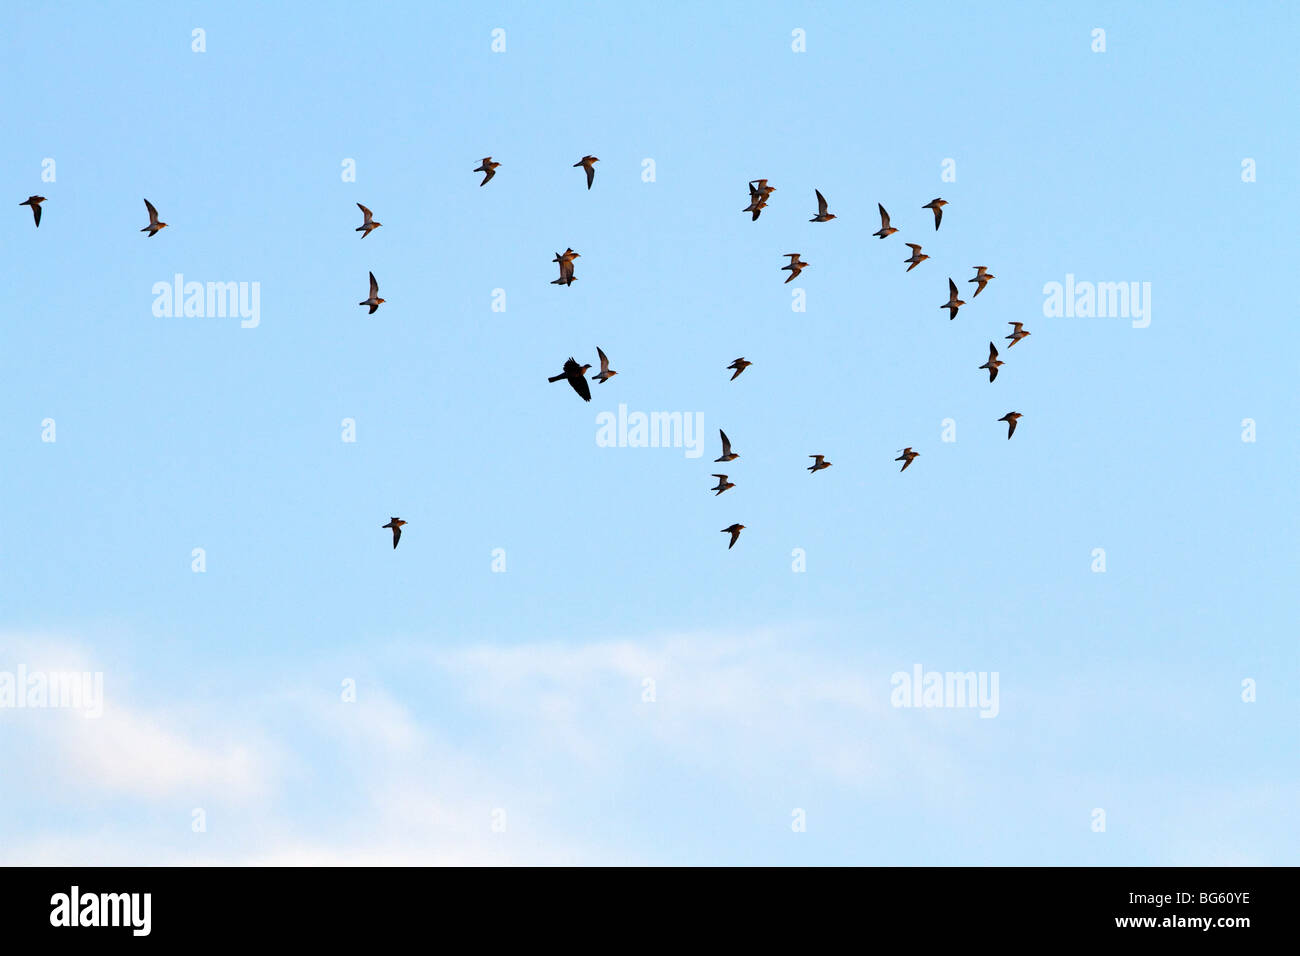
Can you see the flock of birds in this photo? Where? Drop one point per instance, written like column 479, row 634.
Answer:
column 576, row 375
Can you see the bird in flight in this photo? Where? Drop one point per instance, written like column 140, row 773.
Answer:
column 993, row 364
column 739, row 365
column 917, row 258
column 795, row 267
column 396, row 525
column 758, row 197
column 907, row 457
column 374, row 299
column 1011, row 418
column 605, row 373
column 565, row 259
column 982, row 276
column 370, row 225
column 886, row 230
column 819, row 462
column 154, row 225
column 733, row 530
column 1017, row 332
column 488, row 168
column 953, row 303
column 937, row 205
column 589, row 164
column 722, row 485
column 577, row 377
column 822, row 214
column 727, row 453
column 35, row 203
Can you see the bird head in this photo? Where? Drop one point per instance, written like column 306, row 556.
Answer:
column 377, row 300
column 584, row 369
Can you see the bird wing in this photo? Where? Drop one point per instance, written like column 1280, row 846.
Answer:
column 591, row 173
column 938, row 216
column 914, row 247
column 726, row 442
column 365, row 212
column 153, row 213
column 581, row 386
column 36, row 211
column 821, row 202
column 952, row 289
column 993, row 352
column 374, row 286
column 604, row 360
column 397, row 534
column 884, row 218
column 1011, row 427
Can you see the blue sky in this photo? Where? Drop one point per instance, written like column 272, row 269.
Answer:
column 522, row 691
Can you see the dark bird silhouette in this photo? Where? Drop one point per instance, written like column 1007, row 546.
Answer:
column 1017, row 332
column 733, row 530
column 396, row 525
column 819, row 462
column 982, row 276
column 589, row 164
column 739, row 365
column 1011, row 418
column 576, row 375
column 154, row 226
column 993, row 364
column 953, row 303
column 907, row 457
column 565, row 259
column 937, row 205
column 917, row 258
column 722, row 485
column 886, row 230
column 374, row 299
column 35, row 203
column 822, row 214
column 370, row 225
column 488, row 168
column 727, row 453
column 605, row 373
column 795, row 267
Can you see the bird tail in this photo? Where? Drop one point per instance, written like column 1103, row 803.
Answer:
column 555, row 378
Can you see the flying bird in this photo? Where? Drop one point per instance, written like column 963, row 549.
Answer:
column 1011, row 418
column 795, row 267
column 907, row 457
column 819, row 462
column 565, row 259
column 886, row 230
column 982, row 276
column 576, row 376
column 937, row 205
column 739, row 365
column 396, row 525
column 1017, row 332
column 733, row 530
column 722, row 485
column 727, row 453
column 993, row 364
column 35, row 203
column 605, row 373
column 917, row 258
column 370, row 225
column 589, row 164
column 488, row 168
column 374, row 299
column 953, row 303
column 758, row 197
column 154, row 225
column 822, row 214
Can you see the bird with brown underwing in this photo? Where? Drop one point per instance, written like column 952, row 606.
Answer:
column 819, row 462
column 487, row 168
column 727, row 453
column 917, row 257
column 759, row 193
column 370, row 224
column 937, row 205
column 396, row 525
column 733, row 530
column 886, row 230
column 739, row 365
column 795, row 267
column 374, row 300
column 722, row 485
column 1011, row 418
column 1017, row 332
column 154, row 226
column 35, row 203
column 565, row 259
column 907, row 457
column 822, row 214
column 982, row 276
column 605, row 373
column 576, row 376
column 589, row 164
column 953, row 303
column 993, row 364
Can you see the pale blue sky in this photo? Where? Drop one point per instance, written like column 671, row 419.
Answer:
column 522, row 690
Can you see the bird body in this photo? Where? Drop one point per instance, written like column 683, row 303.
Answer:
column 154, row 226
column 35, row 203
column 982, row 276
column 886, row 230
column 953, row 303
column 795, row 267
column 916, row 258
column 937, row 205
column 822, row 214
column 374, row 300
column 907, row 457
column 1011, row 418
column 733, row 530
column 576, row 375
column 819, row 462
column 589, row 164
column 370, row 224
column 739, row 365
column 488, row 168
column 605, row 373
column 727, row 453
column 722, row 485
column 1017, row 332
column 396, row 525
column 993, row 364
column 565, row 259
